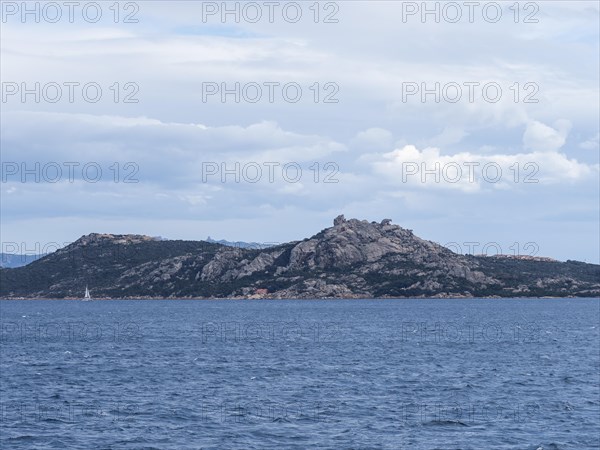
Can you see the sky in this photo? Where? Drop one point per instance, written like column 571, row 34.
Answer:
column 476, row 127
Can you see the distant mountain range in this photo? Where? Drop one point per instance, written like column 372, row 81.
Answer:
column 242, row 244
column 12, row 260
column 352, row 259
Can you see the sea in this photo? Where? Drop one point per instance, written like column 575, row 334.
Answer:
column 300, row 374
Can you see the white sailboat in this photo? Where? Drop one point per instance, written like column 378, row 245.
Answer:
column 87, row 297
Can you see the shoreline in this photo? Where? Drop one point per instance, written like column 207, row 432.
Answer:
column 291, row 298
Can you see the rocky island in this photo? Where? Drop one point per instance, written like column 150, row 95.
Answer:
column 352, row 259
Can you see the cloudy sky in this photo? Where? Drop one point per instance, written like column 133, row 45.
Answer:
column 475, row 127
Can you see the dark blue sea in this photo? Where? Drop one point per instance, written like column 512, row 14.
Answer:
column 325, row 374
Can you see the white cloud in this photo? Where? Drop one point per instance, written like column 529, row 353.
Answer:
column 409, row 167
column 543, row 138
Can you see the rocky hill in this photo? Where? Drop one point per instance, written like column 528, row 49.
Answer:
column 352, row 259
